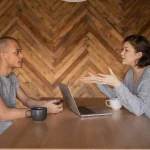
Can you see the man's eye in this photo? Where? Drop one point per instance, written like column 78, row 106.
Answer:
column 17, row 53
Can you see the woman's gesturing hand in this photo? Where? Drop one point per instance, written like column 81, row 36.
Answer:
column 91, row 78
column 111, row 79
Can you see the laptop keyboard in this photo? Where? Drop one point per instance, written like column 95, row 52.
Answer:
column 84, row 110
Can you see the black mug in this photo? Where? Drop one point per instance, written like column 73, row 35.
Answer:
column 38, row 113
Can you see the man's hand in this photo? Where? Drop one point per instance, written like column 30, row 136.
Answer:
column 52, row 107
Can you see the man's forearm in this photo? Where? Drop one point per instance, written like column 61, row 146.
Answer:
column 14, row 113
column 31, row 102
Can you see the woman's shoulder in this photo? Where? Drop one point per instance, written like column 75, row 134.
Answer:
column 129, row 72
column 148, row 69
column 146, row 73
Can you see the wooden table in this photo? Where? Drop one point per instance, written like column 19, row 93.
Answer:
column 67, row 130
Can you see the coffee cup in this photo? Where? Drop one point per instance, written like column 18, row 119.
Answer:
column 114, row 103
column 38, row 114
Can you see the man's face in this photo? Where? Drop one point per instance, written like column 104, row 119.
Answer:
column 13, row 56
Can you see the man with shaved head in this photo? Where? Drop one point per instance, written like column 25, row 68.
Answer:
column 11, row 58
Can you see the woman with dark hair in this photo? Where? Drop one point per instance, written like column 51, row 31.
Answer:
column 134, row 92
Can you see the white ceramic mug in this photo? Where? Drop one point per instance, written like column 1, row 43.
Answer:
column 114, row 103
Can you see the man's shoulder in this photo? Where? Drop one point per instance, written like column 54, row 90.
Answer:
column 13, row 78
column 12, row 75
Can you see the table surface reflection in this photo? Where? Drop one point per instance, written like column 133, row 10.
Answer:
column 66, row 130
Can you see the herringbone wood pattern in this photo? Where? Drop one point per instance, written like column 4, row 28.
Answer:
column 62, row 41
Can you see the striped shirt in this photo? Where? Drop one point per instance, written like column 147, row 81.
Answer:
column 134, row 96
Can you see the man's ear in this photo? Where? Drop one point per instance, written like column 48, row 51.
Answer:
column 2, row 54
column 139, row 54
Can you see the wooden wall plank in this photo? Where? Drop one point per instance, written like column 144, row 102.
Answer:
column 63, row 41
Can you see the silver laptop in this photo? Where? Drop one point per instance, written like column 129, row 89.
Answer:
column 80, row 111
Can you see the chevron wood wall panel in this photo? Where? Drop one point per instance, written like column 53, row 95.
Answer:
column 63, row 41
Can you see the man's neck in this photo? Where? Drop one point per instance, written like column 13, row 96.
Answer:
column 5, row 71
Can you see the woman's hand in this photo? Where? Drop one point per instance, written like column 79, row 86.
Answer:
column 52, row 107
column 91, row 79
column 111, row 79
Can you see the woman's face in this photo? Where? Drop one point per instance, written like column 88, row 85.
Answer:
column 129, row 55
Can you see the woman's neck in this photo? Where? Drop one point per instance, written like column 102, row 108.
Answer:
column 137, row 73
column 138, row 70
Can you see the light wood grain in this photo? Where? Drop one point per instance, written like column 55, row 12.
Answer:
column 62, row 41
column 66, row 130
